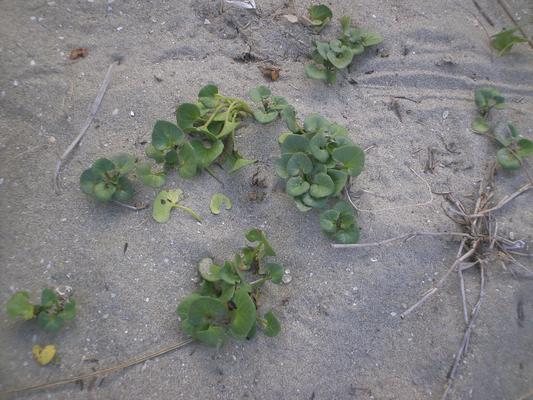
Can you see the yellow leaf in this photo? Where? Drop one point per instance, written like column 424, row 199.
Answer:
column 43, row 355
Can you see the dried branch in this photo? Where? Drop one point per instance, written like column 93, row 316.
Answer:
column 406, row 236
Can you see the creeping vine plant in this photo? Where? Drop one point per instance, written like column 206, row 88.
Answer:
column 319, row 16
column 316, row 161
column 505, row 40
column 226, row 303
column 514, row 147
column 51, row 314
column 329, row 57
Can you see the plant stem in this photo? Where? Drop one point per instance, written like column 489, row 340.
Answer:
column 190, row 211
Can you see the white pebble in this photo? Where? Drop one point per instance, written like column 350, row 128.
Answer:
column 120, row 28
column 15, row 83
column 32, row 63
column 132, row 114
column 393, row 314
column 115, row 111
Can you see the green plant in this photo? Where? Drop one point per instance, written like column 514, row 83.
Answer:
column 109, row 179
column 514, row 147
column 226, row 303
column 204, row 134
column 51, row 313
column 339, row 223
column 329, row 57
column 166, row 201
column 317, row 159
column 505, row 40
column 219, row 201
column 270, row 107
column 319, row 16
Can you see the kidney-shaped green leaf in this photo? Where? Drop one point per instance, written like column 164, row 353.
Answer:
column 19, row 305
column 243, row 317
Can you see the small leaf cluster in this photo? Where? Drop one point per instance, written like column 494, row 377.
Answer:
column 316, row 161
column 110, row 179
column 51, row 313
column 337, row 54
column 204, row 133
column 514, row 147
column 339, row 223
column 268, row 107
column 504, row 41
column 226, row 304
column 319, row 15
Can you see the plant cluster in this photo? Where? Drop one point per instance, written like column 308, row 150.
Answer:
column 514, row 147
column 317, row 159
column 337, row 54
column 226, row 303
column 319, row 16
column 339, row 223
column 51, row 313
column 505, row 40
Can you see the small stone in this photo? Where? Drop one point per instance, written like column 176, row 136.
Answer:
column 120, row 28
column 132, row 114
column 51, row 140
column 511, row 235
column 15, row 83
column 207, row 22
column 115, row 112
column 393, row 314
column 286, row 278
column 445, row 114
column 373, row 259
column 32, row 63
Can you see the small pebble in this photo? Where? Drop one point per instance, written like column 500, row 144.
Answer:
column 119, row 28
column 286, row 278
column 115, row 111
column 393, row 314
column 445, row 114
column 207, row 22
column 511, row 235
column 132, row 114
column 51, row 140
column 15, row 83
column 32, row 63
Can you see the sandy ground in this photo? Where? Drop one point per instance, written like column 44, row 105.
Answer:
column 342, row 335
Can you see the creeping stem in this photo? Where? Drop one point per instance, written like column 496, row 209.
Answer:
column 191, row 212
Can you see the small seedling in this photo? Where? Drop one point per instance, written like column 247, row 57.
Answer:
column 226, row 304
column 505, row 40
column 339, row 223
column 44, row 355
column 219, row 201
column 51, row 314
column 319, row 16
column 337, row 54
column 514, row 146
column 270, row 107
column 107, row 179
column 167, row 200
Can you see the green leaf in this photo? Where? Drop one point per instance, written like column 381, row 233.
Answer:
column 328, row 220
column 157, row 155
column 243, row 316
column 228, row 274
column 259, row 93
column 371, row 39
column 301, row 206
column 219, row 200
column 320, row 14
column 352, row 157
column 235, row 162
column 315, row 123
column 149, row 178
column 281, row 166
column 208, row 270
column 480, row 125
column 289, row 116
column 257, row 235
column 87, row 181
column 163, row 204
column 166, row 135
column 102, row 166
column 69, row 310
column 273, row 327
column 205, row 156
column 299, row 163
column 124, row 190
column 322, row 48
column 295, row 144
column 275, row 271
column 187, row 114
column 204, row 311
column 313, row 72
column 504, row 41
column 185, row 305
column 339, row 179
column 48, row 298
column 187, row 161
column 345, row 24
column 318, row 147
column 507, row 159
column 341, row 60
column 214, row 336
column 265, row 118
column 350, row 236
column 296, row 186
column 322, row 186
column 124, row 163
column 525, row 147
column 313, row 202
column 50, row 322
column 228, row 128
column 19, row 306
column 479, row 98
column 104, row 191
column 207, row 96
